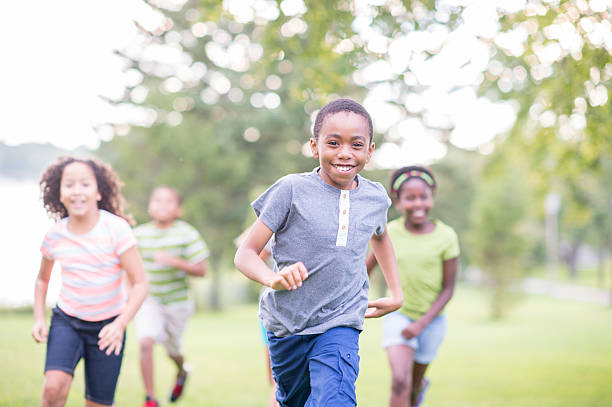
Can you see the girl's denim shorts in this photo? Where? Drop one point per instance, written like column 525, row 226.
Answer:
column 71, row 339
column 425, row 345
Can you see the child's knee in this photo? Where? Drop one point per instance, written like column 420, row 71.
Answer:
column 146, row 345
column 401, row 383
column 55, row 390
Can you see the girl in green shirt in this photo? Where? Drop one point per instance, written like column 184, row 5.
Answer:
column 426, row 251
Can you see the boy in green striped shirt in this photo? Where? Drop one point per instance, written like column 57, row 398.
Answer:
column 171, row 250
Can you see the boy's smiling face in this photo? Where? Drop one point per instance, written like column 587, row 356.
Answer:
column 343, row 148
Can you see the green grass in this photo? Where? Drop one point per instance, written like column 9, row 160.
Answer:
column 587, row 277
column 545, row 353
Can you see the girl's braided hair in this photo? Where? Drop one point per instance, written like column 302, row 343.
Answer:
column 109, row 187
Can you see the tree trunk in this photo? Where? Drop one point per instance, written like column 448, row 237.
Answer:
column 571, row 258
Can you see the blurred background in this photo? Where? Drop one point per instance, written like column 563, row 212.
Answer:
column 507, row 100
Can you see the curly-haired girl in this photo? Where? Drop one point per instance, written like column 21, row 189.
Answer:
column 93, row 243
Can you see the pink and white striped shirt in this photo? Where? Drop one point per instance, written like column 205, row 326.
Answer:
column 92, row 277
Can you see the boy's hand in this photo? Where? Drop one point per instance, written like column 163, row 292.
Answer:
column 164, row 258
column 39, row 331
column 290, row 277
column 382, row 306
column 111, row 338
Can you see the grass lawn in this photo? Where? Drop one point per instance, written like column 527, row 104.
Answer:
column 545, row 353
column 587, row 277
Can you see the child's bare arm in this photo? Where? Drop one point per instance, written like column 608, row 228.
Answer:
column 371, row 262
column 383, row 251
column 39, row 330
column 111, row 335
column 249, row 262
column 195, row 269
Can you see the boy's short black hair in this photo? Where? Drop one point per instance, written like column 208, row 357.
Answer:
column 341, row 105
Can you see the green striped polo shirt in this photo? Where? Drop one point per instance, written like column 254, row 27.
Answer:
column 181, row 240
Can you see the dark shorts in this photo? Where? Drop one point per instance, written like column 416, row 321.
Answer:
column 71, row 339
column 316, row 370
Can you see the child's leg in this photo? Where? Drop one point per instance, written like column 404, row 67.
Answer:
column 89, row 403
column 64, row 350
column 146, row 365
column 418, row 373
column 55, row 388
column 149, row 326
column 288, row 358
column 400, row 352
column 176, row 317
column 401, row 361
column 179, row 361
column 101, row 370
column 334, row 366
column 272, row 400
column 429, row 341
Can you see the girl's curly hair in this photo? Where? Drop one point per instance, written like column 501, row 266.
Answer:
column 109, row 187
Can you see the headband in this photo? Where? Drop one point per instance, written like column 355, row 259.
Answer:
column 405, row 176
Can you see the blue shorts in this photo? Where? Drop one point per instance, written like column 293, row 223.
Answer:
column 425, row 345
column 71, row 339
column 316, row 370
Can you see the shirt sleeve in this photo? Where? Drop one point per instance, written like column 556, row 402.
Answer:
column 452, row 248
column 273, row 206
column 196, row 249
column 123, row 237
column 45, row 247
column 382, row 222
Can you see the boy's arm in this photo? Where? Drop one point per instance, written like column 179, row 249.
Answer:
column 371, row 262
column 39, row 330
column 383, row 251
column 195, row 269
column 249, row 262
column 448, row 285
column 111, row 335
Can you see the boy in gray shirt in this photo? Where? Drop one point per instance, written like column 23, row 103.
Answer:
column 317, row 295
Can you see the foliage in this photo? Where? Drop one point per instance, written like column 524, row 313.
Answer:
column 243, row 122
column 457, row 176
column 560, row 74
column 231, row 111
column 498, row 236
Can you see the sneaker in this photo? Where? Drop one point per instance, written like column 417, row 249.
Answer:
column 179, row 386
column 149, row 402
column 422, row 392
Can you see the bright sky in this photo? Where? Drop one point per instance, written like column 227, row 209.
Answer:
column 58, row 61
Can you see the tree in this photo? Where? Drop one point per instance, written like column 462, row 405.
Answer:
column 553, row 58
column 230, row 111
column 499, row 233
